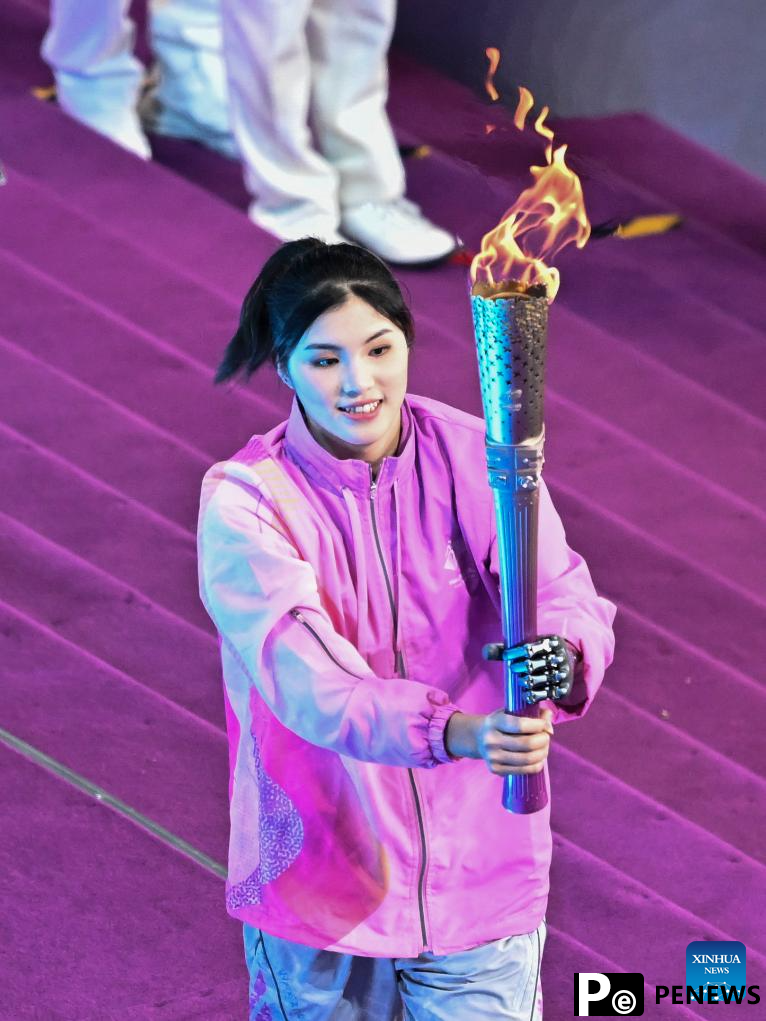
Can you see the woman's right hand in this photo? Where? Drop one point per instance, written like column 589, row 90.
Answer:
column 508, row 744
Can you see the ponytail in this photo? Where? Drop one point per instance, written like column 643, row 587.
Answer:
column 298, row 283
column 253, row 343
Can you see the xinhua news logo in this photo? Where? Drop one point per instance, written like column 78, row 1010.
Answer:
column 716, row 970
column 608, row 994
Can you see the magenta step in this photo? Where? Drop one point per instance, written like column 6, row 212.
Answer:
column 88, row 517
column 139, row 370
column 111, row 621
column 692, row 179
column 679, row 685
column 134, row 743
column 144, row 203
column 658, row 758
column 656, row 939
column 736, row 899
column 113, row 444
column 669, row 589
column 143, row 921
column 565, row 955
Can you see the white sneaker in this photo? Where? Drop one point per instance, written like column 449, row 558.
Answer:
column 105, row 103
column 289, row 226
column 396, row 231
column 111, row 119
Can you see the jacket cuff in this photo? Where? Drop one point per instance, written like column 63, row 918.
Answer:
column 437, row 726
column 589, row 675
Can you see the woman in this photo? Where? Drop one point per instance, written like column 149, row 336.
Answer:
column 348, row 559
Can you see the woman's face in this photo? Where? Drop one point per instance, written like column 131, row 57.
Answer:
column 351, row 356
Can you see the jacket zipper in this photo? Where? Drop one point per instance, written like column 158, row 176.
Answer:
column 299, row 617
column 399, row 660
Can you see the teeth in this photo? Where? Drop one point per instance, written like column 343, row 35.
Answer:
column 363, row 409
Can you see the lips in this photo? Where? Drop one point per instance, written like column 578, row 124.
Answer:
column 362, row 404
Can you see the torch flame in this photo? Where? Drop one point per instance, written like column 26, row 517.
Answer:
column 546, row 216
column 493, row 55
column 542, row 129
column 526, row 102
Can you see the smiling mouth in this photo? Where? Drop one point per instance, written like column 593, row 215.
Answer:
column 361, row 409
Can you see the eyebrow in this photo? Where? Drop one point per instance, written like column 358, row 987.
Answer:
column 334, row 347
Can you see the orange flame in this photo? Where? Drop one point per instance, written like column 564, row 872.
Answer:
column 526, row 102
column 546, row 216
column 493, row 55
column 542, row 129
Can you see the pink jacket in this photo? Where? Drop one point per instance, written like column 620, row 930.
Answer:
column 351, row 618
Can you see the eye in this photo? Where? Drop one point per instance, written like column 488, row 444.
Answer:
column 321, row 363
column 386, row 347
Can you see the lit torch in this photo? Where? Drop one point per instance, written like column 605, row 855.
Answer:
column 512, row 285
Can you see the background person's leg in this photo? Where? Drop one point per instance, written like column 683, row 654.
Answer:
column 291, row 981
column 499, row 981
column 348, row 44
column 89, row 47
column 190, row 98
column 295, row 190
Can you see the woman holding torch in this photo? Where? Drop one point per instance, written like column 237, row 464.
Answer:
column 348, row 560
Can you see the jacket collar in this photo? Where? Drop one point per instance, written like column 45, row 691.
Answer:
column 336, row 473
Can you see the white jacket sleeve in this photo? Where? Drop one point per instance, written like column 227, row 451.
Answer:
column 264, row 601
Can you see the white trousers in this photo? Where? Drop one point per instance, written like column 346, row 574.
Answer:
column 89, row 47
column 308, row 83
column 497, row 981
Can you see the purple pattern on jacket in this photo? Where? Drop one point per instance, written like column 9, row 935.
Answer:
column 280, row 839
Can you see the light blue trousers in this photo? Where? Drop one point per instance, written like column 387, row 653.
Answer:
column 499, row 980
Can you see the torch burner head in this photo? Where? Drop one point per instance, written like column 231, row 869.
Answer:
column 511, row 330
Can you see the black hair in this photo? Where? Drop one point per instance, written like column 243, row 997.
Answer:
column 297, row 284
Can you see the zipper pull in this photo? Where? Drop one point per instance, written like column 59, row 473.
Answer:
column 297, row 615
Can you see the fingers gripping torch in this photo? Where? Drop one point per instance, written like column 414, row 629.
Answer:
column 510, row 325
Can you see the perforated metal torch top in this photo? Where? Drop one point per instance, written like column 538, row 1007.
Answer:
column 511, row 335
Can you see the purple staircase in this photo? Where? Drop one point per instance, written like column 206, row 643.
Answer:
column 121, row 283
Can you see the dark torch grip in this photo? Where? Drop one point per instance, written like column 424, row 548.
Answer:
column 510, row 341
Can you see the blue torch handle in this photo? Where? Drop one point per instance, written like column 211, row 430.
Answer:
column 514, row 474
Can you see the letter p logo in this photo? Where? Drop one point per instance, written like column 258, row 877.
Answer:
column 591, row 987
column 608, row 994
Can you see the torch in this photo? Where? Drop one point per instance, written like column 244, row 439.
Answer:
column 512, row 288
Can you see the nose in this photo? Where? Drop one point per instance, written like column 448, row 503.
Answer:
column 357, row 379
